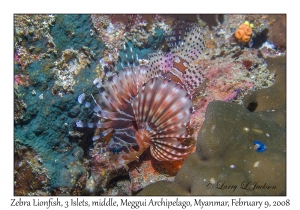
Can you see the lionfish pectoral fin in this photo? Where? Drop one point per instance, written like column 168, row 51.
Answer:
column 81, row 124
column 169, row 150
column 102, row 134
column 96, row 108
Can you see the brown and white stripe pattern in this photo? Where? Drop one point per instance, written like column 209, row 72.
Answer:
column 150, row 105
column 162, row 109
column 141, row 112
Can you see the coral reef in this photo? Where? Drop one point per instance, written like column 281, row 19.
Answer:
column 116, row 29
column 225, row 30
column 31, row 33
column 150, row 70
column 271, row 100
column 140, row 32
column 123, row 187
column 150, row 170
column 19, row 106
column 32, row 24
column 226, row 161
column 22, row 80
column 68, row 67
column 191, row 63
column 44, row 123
column 74, row 31
column 30, row 178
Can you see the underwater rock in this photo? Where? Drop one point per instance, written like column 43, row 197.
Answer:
column 74, row 31
column 74, row 112
column 226, row 161
column 38, row 129
column 277, row 34
column 32, row 178
column 270, row 103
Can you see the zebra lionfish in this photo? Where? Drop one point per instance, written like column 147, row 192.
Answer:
column 150, row 105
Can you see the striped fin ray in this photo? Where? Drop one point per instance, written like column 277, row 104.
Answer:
column 162, row 108
column 160, row 101
column 136, row 77
column 102, row 134
column 141, row 75
column 145, row 101
column 180, row 29
column 126, row 138
column 123, row 140
column 81, row 100
column 131, row 58
column 173, row 131
column 162, row 104
column 174, row 109
column 148, row 99
column 96, row 108
column 81, row 124
column 174, row 134
column 102, row 99
column 138, row 107
column 178, row 112
column 169, row 150
column 155, row 102
column 112, row 98
column 128, row 85
column 103, row 113
column 122, row 87
column 129, row 76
